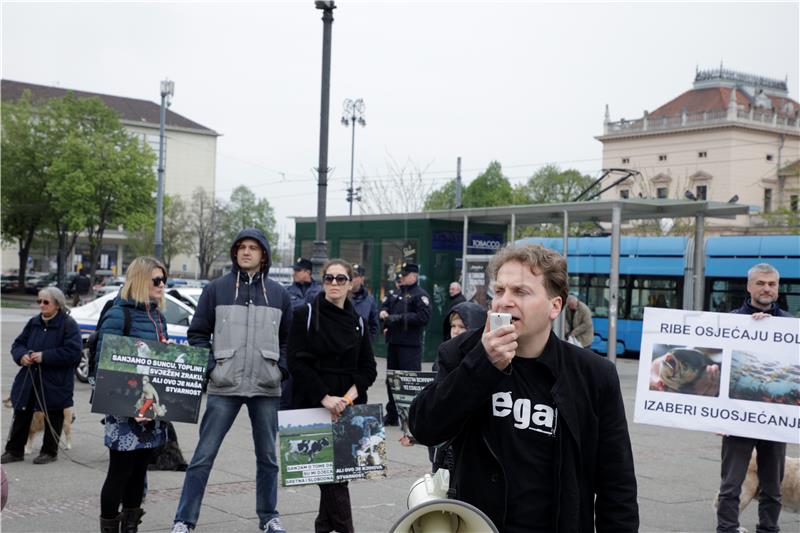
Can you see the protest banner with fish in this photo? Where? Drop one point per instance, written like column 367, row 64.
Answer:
column 723, row 373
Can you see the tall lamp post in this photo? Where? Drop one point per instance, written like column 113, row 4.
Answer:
column 353, row 114
column 167, row 90
column 320, row 253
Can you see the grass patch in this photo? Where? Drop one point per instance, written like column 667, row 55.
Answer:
column 14, row 304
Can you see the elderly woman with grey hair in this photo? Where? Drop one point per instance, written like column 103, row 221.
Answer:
column 47, row 351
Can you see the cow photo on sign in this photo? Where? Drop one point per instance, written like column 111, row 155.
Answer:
column 313, row 449
column 149, row 379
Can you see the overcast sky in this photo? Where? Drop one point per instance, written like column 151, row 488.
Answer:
column 524, row 83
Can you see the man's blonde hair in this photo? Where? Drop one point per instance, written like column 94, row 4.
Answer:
column 541, row 261
column 138, row 280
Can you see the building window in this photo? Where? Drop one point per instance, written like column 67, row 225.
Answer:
column 701, row 192
column 626, row 160
column 769, row 157
column 702, row 154
column 624, row 194
column 793, row 202
column 662, row 157
column 767, row 200
column 661, row 192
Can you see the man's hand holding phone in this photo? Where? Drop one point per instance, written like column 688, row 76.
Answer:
column 500, row 340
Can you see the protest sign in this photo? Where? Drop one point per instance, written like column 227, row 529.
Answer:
column 150, row 379
column 405, row 385
column 724, row 373
column 313, row 449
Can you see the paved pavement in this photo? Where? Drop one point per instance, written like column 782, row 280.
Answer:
column 677, row 471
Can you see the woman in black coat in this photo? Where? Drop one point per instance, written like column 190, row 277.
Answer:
column 48, row 350
column 332, row 364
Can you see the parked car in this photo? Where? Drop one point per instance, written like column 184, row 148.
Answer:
column 178, row 314
column 10, row 282
column 110, row 285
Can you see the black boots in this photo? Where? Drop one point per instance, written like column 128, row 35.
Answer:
column 131, row 518
column 109, row 525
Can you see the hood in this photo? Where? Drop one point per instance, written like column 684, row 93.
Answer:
column 473, row 315
column 257, row 235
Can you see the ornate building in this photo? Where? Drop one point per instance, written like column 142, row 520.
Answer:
column 732, row 137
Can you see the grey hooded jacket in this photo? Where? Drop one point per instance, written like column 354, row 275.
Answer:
column 249, row 317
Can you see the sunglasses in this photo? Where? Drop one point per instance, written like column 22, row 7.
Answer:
column 341, row 279
column 40, row 301
column 159, row 280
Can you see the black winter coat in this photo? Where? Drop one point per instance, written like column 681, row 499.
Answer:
column 596, row 484
column 59, row 340
column 329, row 353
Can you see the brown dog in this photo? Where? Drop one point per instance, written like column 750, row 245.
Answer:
column 790, row 486
column 38, row 425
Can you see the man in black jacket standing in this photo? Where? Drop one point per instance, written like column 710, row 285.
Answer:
column 762, row 285
column 405, row 317
column 537, row 425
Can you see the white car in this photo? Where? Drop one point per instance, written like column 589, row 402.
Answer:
column 178, row 314
column 110, row 286
column 188, row 295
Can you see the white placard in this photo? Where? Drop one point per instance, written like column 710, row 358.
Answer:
column 723, row 373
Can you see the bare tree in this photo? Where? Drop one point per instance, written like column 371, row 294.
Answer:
column 403, row 189
column 206, row 223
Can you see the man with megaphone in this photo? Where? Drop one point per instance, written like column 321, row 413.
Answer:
column 537, row 425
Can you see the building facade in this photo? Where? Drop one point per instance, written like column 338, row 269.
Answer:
column 190, row 163
column 732, row 137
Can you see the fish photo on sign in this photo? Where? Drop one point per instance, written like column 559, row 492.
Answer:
column 764, row 378
column 686, row 369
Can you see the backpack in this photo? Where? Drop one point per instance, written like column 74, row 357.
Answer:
column 93, row 340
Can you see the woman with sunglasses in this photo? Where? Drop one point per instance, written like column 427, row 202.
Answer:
column 131, row 440
column 332, row 364
column 48, row 350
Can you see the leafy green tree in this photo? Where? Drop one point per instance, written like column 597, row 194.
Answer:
column 551, row 185
column 24, row 168
column 177, row 235
column 490, row 189
column 104, row 175
column 245, row 210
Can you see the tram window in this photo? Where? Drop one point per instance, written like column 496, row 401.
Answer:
column 727, row 294
column 653, row 293
column 597, row 296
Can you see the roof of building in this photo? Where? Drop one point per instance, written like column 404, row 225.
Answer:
column 717, row 99
column 131, row 110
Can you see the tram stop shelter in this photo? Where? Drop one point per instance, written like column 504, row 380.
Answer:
column 493, row 220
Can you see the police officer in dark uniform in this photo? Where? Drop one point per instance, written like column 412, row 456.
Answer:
column 364, row 303
column 405, row 316
column 304, row 288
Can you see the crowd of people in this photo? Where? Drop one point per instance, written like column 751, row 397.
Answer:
column 519, row 416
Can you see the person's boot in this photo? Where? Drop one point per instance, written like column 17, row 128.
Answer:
column 131, row 518
column 109, row 525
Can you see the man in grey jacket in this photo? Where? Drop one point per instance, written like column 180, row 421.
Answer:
column 249, row 316
column 579, row 321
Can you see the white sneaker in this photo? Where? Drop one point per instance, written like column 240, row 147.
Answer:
column 180, row 527
column 274, row 526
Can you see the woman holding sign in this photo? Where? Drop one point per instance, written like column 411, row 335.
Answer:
column 332, row 364
column 131, row 440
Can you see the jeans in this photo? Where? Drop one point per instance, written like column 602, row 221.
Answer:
column 220, row 413
column 770, row 457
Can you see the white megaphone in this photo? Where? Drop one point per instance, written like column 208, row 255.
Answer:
column 430, row 511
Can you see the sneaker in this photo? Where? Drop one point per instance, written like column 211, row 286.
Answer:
column 44, row 458
column 9, row 457
column 274, row 526
column 180, row 527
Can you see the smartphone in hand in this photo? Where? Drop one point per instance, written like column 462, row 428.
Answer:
column 499, row 319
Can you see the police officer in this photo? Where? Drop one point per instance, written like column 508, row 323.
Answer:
column 405, row 317
column 365, row 304
column 304, row 289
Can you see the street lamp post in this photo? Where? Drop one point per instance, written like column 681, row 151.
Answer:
column 353, row 113
column 320, row 253
column 167, row 90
